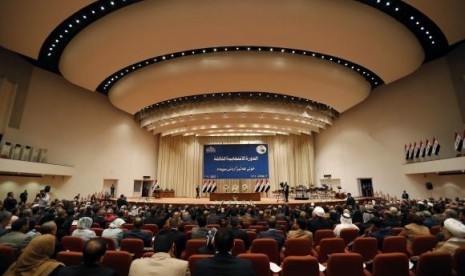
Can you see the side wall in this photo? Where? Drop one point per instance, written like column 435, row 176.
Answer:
column 80, row 129
column 368, row 140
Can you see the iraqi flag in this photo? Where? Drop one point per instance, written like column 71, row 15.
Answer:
column 458, row 143
column 213, row 187
column 429, row 148
column 416, row 150
column 262, row 186
column 267, row 186
column 209, row 186
column 406, row 148
column 204, row 186
column 423, row 148
column 257, row 186
column 155, row 185
column 410, row 151
column 436, row 146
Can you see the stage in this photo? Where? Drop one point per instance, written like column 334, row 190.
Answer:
column 264, row 201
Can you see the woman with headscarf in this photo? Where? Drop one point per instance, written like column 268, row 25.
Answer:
column 83, row 229
column 114, row 231
column 36, row 259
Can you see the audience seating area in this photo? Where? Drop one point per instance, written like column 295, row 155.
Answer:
column 352, row 253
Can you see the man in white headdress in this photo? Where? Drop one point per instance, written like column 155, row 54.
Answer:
column 346, row 222
column 456, row 230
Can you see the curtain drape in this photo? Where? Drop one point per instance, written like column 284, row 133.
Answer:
column 180, row 162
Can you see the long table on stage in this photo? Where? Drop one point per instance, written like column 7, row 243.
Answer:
column 235, row 196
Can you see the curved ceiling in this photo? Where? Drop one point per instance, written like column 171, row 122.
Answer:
column 144, row 53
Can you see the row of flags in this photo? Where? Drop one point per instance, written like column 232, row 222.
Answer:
column 262, row 186
column 209, row 186
column 422, row 149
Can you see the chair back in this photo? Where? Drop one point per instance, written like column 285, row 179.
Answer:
column 283, row 224
column 268, row 247
column 110, row 243
column 72, row 243
column 193, row 259
column 394, row 244
column 345, row 264
column 322, row 234
column 213, row 225
column 299, row 265
column 422, row 244
column 147, row 254
column 192, row 247
column 348, row 235
column 239, row 247
column 252, row 236
column 135, row 247
column 188, row 235
column 188, row 227
column 434, row 263
column 69, row 257
column 128, row 226
column 297, row 247
column 458, row 261
column 330, row 246
column 96, row 225
column 98, row 231
column 387, row 264
column 367, row 247
column 8, row 253
column 120, row 261
column 151, row 227
column 260, row 263
column 397, row 230
column 257, row 228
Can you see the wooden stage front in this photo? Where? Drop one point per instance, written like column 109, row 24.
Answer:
column 264, row 201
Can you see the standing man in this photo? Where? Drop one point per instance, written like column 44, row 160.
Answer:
column 10, row 202
column 405, row 196
column 112, row 190
column 350, row 201
column 197, row 191
column 43, row 201
column 23, row 197
column 286, row 191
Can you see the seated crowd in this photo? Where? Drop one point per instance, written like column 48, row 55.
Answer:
column 38, row 235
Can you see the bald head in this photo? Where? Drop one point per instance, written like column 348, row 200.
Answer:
column 94, row 250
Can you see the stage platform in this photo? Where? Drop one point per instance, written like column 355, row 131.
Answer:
column 264, row 202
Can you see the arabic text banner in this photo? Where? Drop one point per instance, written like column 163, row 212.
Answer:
column 240, row 161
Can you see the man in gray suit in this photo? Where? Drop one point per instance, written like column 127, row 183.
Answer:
column 17, row 238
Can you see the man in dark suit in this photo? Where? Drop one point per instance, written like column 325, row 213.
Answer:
column 137, row 233
column 350, row 201
column 286, row 191
column 224, row 263
column 239, row 233
column 94, row 250
column 273, row 233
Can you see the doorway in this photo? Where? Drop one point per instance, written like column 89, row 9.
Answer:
column 366, row 187
column 110, row 187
